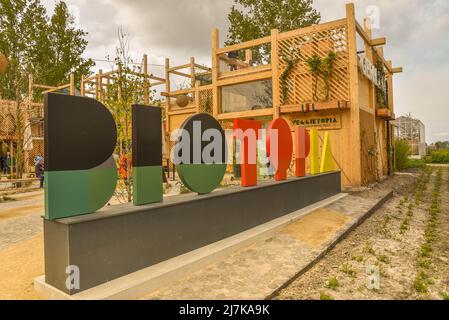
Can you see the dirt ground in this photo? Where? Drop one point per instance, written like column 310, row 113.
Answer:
column 401, row 252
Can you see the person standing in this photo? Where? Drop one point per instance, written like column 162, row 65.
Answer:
column 7, row 167
column 39, row 169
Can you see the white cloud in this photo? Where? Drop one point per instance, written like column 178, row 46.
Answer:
column 417, row 39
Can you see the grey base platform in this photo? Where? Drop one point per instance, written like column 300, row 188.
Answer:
column 122, row 240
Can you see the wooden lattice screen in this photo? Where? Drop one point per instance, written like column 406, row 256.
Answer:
column 299, row 46
column 206, row 101
column 30, row 114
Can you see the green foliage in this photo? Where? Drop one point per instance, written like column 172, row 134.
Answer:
column 49, row 48
column 333, row 283
column 416, row 164
column 439, row 156
column 402, row 151
column 291, row 62
column 325, row 296
column 252, row 19
column 323, row 67
column 327, row 70
column 422, row 282
column 381, row 96
column 314, row 63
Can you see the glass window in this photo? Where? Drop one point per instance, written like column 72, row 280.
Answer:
column 247, row 96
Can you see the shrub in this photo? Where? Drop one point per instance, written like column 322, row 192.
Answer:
column 402, row 151
column 440, row 156
column 416, row 164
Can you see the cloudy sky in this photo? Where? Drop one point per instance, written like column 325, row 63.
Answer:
column 417, row 34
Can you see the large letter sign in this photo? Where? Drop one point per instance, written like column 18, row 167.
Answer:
column 247, row 131
column 302, row 142
column 81, row 136
column 200, row 154
column 147, row 155
column 280, row 147
column 80, row 173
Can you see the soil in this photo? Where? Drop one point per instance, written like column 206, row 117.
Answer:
column 388, row 244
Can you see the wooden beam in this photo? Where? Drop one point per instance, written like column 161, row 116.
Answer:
column 244, row 45
column 181, row 74
column 156, row 78
column 276, row 102
column 184, row 66
column 246, row 114
column 397, row 70
column 233, row 61
column 243, row 72
column 202, row 67
column 245, row 78
column 378, row 42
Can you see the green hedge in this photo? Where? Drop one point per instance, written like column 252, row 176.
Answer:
column 440, row 156
column 402, row 151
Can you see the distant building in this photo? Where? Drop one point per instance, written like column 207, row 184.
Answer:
column 414, row 131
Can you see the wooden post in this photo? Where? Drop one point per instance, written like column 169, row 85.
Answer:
column 11, row 154
column 248, row 56
column 146, row 96
column 354, row 142
column 167, row 106
column 275, row 72
column 30, row 108
column 192, row 75
column 389, row 77
column 197, row 96
column 370, row 55
column 99, row 85
column 215, row 71
column 82, row 87
column 72, row 84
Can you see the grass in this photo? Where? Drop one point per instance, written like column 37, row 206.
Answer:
column 325, row 296
column 422, row 283
column 184, row 190
column 445, row 295
column 383, row 259
column 333, row 283
column 357, row 258
column 348, row 269
column 423, row 280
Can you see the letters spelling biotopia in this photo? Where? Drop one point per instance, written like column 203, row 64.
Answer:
column 81, row 173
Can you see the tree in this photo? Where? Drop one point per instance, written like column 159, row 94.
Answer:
column 50, row 49
column 252, row 19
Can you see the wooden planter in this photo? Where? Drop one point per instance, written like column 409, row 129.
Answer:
column 385, row 114
column 316, row 106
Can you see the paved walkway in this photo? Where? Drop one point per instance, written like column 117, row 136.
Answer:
column 258, row 270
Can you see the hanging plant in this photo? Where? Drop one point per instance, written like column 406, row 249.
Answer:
column 291, row 63
column 381, row 97
column 327, row 70
column 314, row 63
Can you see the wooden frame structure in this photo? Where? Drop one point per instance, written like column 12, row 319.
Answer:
column 346, row 103
column 363, row 139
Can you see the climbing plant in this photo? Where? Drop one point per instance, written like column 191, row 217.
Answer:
column 314, row 63
column 381, row 97
column 327, row 70
column 291, row 63
column 323, row 67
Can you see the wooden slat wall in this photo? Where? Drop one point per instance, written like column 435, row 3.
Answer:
column 300, row 45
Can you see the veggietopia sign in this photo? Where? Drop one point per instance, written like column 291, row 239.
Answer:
column 81, row 137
